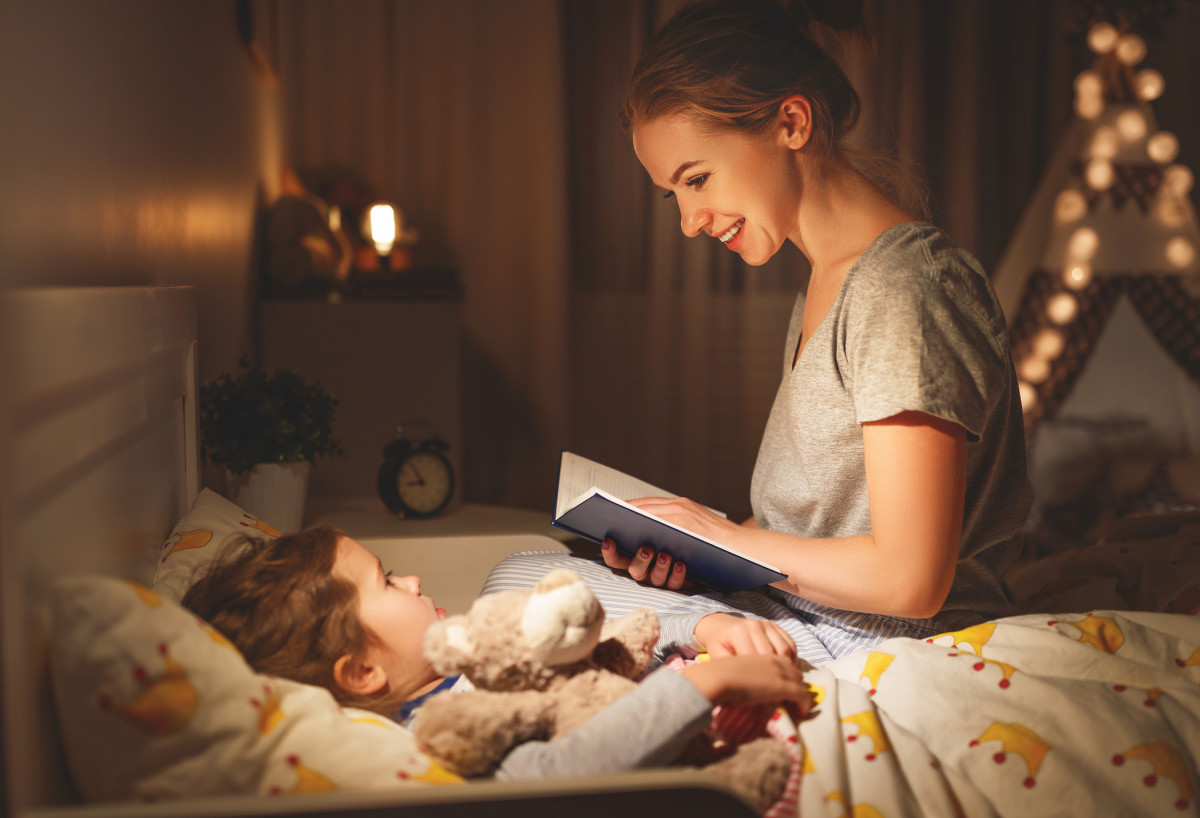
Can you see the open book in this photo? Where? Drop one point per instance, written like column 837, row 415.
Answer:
column 592, row 504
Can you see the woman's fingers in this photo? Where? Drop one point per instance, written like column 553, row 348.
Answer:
column 646, row 566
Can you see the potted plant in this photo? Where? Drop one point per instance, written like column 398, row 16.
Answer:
column 266, row 431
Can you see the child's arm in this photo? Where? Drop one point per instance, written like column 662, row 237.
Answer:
column 652, row 725
column 720, row 634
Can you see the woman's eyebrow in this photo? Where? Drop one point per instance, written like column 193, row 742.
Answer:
column 680, row 170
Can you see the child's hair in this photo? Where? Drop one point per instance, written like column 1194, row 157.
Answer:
column 731, row 63
column 290, row 615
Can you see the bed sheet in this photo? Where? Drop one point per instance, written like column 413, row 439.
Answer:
column 1092, row 714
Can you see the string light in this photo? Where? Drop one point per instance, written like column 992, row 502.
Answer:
column 1131, row 125
column 1105, row 142
column 1049, row 344
column 1131, row 49
column 1163, row 147
column 1028, row 396
column 1148, row 84
column 1178, row 179
column 1083, row 243
column 1102, row 38
column 1099, row 174
column 1180, row 252
column 1070, row 206
column 1078, row 275
column 1170, row 212
column 1089, row 107
column 1035, row 370
column 1062, row 308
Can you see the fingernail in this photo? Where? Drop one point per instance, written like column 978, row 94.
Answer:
column 645, row 553
column 663, row 559
column 607, row 545
column 678, row 568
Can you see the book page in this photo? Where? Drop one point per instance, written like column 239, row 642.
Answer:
column 578, row 474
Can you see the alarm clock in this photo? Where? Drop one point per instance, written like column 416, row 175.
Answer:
column 416, row 479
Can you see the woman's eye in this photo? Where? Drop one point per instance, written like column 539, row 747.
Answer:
column 697, row 182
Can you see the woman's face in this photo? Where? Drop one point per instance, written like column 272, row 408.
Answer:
column 394, row 610
column 742, row 189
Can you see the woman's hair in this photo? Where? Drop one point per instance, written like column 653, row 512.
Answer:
column 731, row 63
column 280, row 602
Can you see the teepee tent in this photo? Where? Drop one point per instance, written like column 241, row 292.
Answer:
column 1101, row 281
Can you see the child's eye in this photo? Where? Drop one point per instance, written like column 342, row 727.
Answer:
column 389, row 579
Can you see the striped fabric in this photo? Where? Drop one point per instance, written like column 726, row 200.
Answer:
column 821, row 634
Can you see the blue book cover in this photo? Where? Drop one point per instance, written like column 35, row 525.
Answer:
column 596, row 513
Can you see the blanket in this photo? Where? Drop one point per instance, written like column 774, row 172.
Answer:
column 1092, row 714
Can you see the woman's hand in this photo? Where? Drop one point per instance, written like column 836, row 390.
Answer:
column 728, row 635
column 657, row 569
column 745, row 681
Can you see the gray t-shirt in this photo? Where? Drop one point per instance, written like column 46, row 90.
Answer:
column 916, row 326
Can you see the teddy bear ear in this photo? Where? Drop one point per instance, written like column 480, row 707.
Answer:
column 447, row 645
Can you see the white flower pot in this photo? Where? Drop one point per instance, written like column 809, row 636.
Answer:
column 272, row 492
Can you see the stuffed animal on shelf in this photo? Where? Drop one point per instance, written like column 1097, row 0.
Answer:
column 543, row 661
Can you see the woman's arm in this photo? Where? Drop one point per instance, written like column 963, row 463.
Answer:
column 916, row 483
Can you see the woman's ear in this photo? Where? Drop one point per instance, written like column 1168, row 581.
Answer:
column 795, row 121
column 358, row 676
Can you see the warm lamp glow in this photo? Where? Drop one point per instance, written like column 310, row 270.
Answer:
column 1105, row 142
column 1078, row 275
column 1149, row 84
column 1062, row 308
column 1070, row 205
column 1180, row 252
column 1102, row 38
column 1131, row 125
column 1131, row 49
column 1083, row 243
column 380, row 227
column 1163, row 147
column 1099, row 174
column 1048, row 344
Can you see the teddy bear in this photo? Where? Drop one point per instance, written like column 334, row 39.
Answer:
column 542, row 662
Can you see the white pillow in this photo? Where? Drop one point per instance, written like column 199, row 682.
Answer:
column 155, row 704
column 211, row 526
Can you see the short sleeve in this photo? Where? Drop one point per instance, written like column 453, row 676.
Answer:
column 924, row 336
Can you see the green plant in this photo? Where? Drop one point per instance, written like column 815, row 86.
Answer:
column 259, row 418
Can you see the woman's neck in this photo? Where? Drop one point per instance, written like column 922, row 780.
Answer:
column 841, row 214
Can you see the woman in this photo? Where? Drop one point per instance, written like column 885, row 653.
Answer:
column 891, row 481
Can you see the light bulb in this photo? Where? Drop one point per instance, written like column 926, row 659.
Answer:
column 1061, row 308
column 1049, row 344
column 1089, row 107
column 1077, row 275
column 1178, row 178
column 1102, row 38
column 1070, row 205
column 1028, row 396
column 1131, row 49
column 1099, row 174
column 1131, row 125
column 1148, row 84
column 1163, row 147
column 381, row 226
column 1083, row 244
column 1105, row 142
column 1180, row 252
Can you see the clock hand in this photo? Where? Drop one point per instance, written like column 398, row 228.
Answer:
column 420, row 479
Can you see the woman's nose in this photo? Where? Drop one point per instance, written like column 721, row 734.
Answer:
column 693, row 221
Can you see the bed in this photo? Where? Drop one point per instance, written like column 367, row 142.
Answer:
column 1071, row 711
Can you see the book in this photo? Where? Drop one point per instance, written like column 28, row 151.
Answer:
column 592, row 503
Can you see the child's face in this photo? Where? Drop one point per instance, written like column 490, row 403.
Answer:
column 394, row 610
column 741, row 188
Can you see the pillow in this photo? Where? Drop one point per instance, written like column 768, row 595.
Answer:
column 211, row 526
column 154, row 704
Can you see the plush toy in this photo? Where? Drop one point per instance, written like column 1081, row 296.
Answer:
column 543, row 662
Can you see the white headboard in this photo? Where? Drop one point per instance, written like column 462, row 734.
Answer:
column 98, row 459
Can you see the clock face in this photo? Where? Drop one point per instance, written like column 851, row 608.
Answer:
column 425, row 482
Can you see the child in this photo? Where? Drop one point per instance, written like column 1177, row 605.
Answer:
column 319, row 608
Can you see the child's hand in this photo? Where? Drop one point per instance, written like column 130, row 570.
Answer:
column 745, row 681
column 728, row 635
